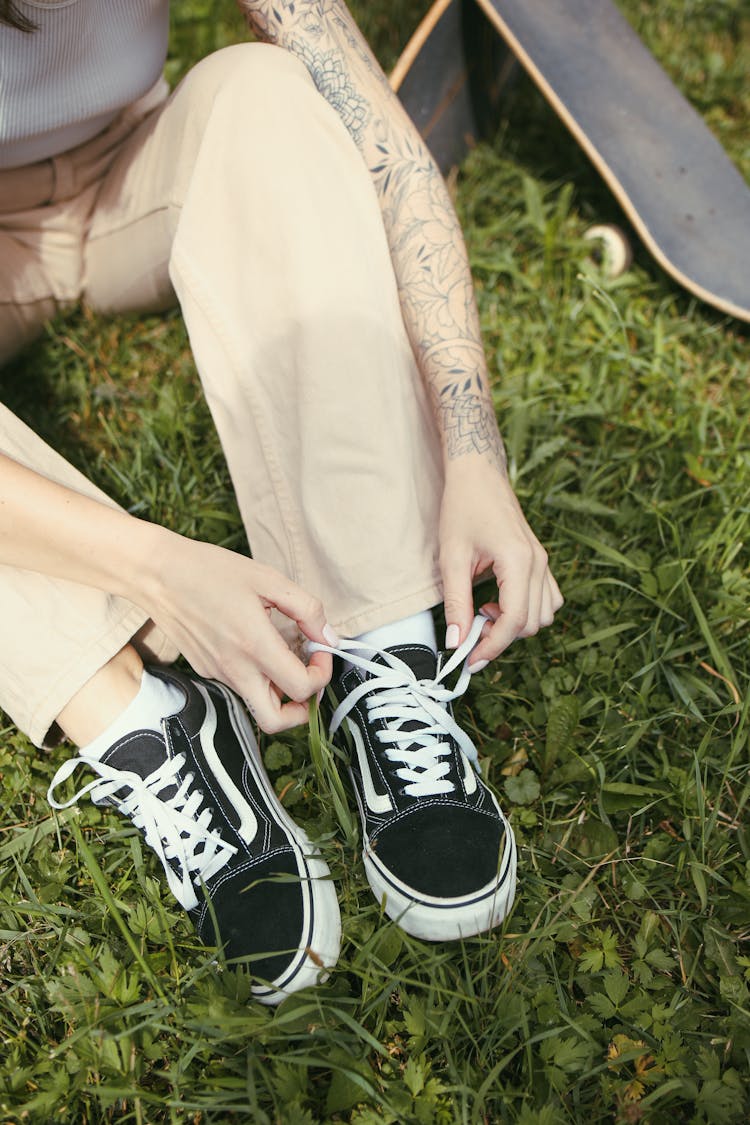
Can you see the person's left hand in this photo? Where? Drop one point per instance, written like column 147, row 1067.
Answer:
column 482, row 528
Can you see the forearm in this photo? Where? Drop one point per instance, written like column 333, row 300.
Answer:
column 54, row 530
column 425, row 239
column 440, row 312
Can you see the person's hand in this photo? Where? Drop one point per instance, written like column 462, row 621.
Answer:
column 214, row 605
column 482, row 528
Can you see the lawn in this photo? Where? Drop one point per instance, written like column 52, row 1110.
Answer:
column 618, row 989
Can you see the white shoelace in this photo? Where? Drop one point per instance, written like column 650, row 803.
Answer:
column 394, row 694
column 173, row 828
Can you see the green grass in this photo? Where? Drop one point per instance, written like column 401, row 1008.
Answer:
column 618, row 991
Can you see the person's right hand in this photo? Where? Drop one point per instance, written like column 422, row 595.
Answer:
column 214, row 604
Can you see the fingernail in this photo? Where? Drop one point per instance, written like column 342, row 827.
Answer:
column 319, row 696
column 452, row 636
column 331, row 636
column 480, row 664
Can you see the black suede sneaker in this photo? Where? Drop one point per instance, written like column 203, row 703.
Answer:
column 201, row 797
column 436, row 845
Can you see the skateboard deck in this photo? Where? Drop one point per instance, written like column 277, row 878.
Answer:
column 450, row 79
column 684, row 197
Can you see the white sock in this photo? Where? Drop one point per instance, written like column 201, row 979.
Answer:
column 155, row 700
column 418, row 629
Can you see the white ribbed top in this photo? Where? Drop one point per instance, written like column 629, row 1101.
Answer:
column 62, row 84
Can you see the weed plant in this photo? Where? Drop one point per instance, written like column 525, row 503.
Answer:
column 618, row 989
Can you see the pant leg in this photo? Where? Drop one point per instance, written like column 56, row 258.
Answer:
column 45, row 210
column 55, row 634
column 22, row 315
column 247, row 193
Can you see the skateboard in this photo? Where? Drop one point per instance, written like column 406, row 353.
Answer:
column 684, row 197
column 450, row 79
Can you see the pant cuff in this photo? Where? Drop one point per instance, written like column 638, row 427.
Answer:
column 41, row 727
column 374, row 616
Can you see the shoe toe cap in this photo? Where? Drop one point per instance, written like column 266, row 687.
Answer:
column 263, row 913
column 442, row 851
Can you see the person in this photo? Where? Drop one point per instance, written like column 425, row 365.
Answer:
column 283, row 198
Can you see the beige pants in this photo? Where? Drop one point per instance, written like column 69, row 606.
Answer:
column 243, row 196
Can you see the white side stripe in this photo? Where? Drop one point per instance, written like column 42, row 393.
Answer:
column 376, row 802
column 248, row 828
column 470, row 776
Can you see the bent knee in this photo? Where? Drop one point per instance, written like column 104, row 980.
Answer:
column 257, row 69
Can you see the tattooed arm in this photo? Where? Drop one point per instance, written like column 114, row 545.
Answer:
column 482, row 525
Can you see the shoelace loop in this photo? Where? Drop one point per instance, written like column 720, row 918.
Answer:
column 173, row 828
column 396, row 696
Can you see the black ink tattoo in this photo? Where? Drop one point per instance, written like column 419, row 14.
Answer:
column 468, row 425
column 333, row 82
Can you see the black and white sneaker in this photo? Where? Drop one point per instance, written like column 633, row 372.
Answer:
column 201, row 797
column 436, row 845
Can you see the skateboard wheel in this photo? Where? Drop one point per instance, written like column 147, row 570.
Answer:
column 613, row 253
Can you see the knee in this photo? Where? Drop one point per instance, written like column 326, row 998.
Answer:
column 255, row 74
